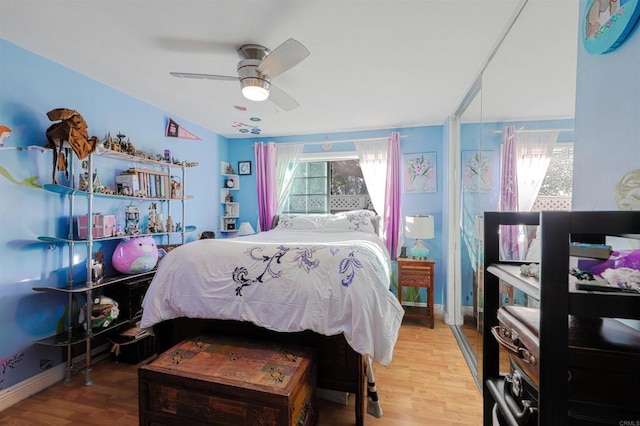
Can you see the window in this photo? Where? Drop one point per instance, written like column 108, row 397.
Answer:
column 555, row 192
column 310, row 189
column 327, row 187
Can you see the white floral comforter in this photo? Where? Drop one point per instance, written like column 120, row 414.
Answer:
column 330, row 282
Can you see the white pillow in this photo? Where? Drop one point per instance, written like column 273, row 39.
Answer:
column 356, row 220
column 301, row 221
column 359, row 213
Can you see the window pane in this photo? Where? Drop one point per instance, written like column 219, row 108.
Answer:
column 299, row 186
column 317, row 186
column 317, row 169
column 298, row 204
column 558, row 180
column 347, row 179
column 310, row 188
column 317, row 204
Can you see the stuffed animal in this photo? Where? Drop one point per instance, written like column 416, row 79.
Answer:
column 72, row 129
column 135, row 255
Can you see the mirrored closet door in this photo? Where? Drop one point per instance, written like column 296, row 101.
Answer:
column 525, row 94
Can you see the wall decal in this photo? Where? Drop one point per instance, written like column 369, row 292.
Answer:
column 5, row 132
column 174, row 130
column 419, row 172
column 9, row 363
column 627, row 193
column 607, row 23
column 30, row 181
column 246, row 128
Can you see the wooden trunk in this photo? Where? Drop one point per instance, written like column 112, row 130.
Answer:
column 340, row 368
column 217, row 380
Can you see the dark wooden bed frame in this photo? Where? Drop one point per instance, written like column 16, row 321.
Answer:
column 340, row 368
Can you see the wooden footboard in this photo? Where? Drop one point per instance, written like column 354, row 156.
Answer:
column 340, row 368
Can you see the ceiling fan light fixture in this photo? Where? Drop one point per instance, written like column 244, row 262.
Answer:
column 255, row 89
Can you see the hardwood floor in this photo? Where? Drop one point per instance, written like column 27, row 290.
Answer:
column 428, row 383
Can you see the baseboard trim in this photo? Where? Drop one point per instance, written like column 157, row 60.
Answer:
column 31, row 386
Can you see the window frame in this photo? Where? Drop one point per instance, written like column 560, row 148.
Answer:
column 317, row 157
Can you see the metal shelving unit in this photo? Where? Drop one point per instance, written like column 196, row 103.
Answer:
column 74, row 335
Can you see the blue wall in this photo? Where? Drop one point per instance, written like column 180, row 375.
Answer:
column 30, row 87
column 607, row 122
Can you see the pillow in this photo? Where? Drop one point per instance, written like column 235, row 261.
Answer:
column 356, row 220
column 300, row 221
column 359, row 213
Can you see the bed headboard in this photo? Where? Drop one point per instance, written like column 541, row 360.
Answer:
column 375, row 221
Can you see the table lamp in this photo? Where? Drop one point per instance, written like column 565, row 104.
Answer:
column 421, row 228
column 245, row 229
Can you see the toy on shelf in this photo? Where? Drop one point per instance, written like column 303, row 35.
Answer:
column 155, row 220
column 132, row 220
column 135, row 255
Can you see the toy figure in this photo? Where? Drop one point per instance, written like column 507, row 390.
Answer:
column 132, row 218
column 153, row 226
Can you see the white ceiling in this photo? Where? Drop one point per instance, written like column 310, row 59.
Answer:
column 373, row 64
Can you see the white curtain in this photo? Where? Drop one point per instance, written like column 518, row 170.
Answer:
column 373, row 163
column 534, row 151
column 287, row 159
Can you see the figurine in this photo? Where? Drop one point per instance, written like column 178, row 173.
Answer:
column 132, row 218
column 152, row 228
column 169, row 224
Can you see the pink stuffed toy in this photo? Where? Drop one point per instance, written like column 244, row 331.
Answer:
column 135, row 255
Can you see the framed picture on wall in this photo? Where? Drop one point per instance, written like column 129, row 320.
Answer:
column 477, row 171
column 244, row 167
column 419, row 172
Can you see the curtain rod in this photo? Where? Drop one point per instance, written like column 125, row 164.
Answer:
column 536, row 130
column 340, row 141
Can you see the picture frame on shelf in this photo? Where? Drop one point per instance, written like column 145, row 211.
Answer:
column 244, row 167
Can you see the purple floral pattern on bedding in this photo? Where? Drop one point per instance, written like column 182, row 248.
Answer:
column 348, row 266
column 303, row 257
column 360, row 221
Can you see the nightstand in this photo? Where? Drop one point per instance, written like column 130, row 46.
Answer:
column 417, row 273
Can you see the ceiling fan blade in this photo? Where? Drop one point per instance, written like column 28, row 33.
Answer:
column 281, row 99
column 283, row 58
column 204, row 76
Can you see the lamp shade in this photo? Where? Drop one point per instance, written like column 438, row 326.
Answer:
column 245, row 229
column 421, row 227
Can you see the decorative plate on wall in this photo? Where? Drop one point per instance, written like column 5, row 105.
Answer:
column 607, row 23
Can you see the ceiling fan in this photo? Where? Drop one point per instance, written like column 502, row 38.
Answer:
column 258, row 65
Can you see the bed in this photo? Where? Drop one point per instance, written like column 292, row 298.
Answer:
column 320, row 280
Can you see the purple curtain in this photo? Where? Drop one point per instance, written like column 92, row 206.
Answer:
column 266, row 184
column 509, row 192
column 391, row 216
